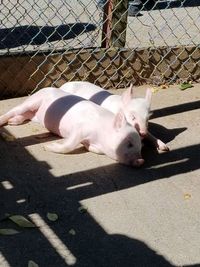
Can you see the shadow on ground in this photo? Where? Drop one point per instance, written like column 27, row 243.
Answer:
column 37, row 35
column 157, row 5
column 176, row 109
column 36, row 191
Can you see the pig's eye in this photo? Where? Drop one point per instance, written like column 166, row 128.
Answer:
column 130, row 145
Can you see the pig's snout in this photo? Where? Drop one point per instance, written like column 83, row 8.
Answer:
column 138, row 162
column 143, row 133
column 141, row 130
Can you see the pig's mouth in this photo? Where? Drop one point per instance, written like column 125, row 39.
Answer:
column 143, row 135
column 137, row 162
column 128, row 151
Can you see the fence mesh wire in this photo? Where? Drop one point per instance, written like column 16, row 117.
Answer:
column 33, row 29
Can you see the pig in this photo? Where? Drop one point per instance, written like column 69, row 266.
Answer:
column 136, row 110
column 78, row 120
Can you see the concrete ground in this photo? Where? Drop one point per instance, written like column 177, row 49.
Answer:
column 134, row 217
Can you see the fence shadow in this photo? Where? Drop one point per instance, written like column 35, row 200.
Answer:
column 175, row 109
column 157, row 5
column 37, row 35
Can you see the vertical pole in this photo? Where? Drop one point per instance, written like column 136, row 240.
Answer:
column 115, row 23
column 107, row 24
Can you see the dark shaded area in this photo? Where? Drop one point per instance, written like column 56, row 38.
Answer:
column 166, row 135
column 175, row 109
column 154, row 5
column 37, row 35
column 148, row 5
column 99, row 97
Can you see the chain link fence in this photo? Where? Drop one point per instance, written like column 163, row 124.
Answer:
column 110, row 43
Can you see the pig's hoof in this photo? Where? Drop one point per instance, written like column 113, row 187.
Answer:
column 162, row 146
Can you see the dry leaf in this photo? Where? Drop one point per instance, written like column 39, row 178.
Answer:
column 164, row 86
column 52, row 216
column 187, row 196
column 8, row 231
column 154, row 89
column 22, row 221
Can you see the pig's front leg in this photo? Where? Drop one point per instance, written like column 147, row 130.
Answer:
column 63, row 146
column 95, row 149
column 157, row 142
column 92, row 148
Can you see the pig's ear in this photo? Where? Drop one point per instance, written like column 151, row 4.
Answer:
column 119, row 120
column 127, row 95
column 148, row 96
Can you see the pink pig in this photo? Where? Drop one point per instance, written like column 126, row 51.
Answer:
column 136, row 110
column 79, row 121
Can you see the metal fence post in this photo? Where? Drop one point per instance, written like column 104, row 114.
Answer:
column 115, row 23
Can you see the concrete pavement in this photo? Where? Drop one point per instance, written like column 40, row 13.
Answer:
column 134, row 217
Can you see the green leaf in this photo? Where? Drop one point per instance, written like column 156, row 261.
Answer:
column 32, row 264
column 22, row 221
column 185, row 86
column 8, row 231
column 52, row 216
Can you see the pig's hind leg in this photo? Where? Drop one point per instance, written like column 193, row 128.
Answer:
column 63, row 146
column 22, row 112
column 19, row 119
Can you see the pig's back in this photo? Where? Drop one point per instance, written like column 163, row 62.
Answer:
column 83, row 89
column 94, row 93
